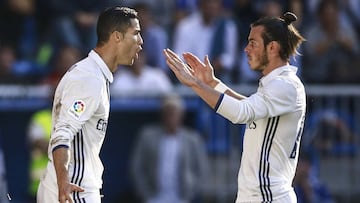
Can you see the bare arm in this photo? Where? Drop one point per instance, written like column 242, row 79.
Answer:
column 61, row 162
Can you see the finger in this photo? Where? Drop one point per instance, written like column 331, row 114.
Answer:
column 207, row 62
column 69, row 200
column 76, row 188
column 174, row 55
column 192, row 60
column 177, row 63
column 171, row 58
column 169, row 61
column 187, row 66
column 188, row 69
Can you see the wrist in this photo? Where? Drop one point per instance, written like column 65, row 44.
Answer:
column 214, row 82
column 220, row 87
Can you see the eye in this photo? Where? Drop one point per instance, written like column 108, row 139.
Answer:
column 253, row 44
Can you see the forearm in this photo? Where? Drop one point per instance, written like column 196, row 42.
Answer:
column 206, row 93
column 211, row 94
column 61, row 157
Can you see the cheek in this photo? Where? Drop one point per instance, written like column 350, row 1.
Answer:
column 257, row 55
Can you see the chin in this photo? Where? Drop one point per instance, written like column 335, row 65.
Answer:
column 113, row 71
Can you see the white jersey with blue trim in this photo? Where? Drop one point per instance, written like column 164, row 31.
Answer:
column 79, row 118
column 274, row 118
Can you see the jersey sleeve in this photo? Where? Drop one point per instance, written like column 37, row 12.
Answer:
column 79, row 101
column 277, row 98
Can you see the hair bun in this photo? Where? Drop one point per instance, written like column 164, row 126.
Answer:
column 289, row 18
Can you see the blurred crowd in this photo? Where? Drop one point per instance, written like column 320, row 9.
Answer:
column 40, row 40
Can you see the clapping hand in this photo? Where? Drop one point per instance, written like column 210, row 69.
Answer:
column 183, row 72
column 201, row 70
column 195, row 70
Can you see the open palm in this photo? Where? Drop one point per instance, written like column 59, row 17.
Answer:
column 182, row 71
column 201, row 70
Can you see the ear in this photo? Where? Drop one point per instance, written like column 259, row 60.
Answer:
column 273, row 48
column 117, row 36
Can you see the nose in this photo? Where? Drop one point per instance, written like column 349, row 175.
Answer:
column 141, row 41
column 246, row 49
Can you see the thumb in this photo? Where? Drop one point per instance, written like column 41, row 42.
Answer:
column 207, row 61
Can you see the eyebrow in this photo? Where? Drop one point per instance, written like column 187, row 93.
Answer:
column 137, row 30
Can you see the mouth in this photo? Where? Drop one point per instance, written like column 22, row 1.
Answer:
column 137, row 52
column 248, row 58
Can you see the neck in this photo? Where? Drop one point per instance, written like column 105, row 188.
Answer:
column 107, row 56
column 273, row 65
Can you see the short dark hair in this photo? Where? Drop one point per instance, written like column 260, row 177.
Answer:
column 113, row 19
column 281, row 30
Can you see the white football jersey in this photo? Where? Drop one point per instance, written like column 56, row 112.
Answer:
column 274, row 118
column 79, row 119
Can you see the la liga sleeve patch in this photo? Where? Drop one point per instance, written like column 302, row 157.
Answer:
column 77, row 108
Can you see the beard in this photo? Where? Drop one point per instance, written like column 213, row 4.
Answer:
column 263, row 62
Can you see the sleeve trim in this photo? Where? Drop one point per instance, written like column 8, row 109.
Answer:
column 219, row 102
column 60, row 146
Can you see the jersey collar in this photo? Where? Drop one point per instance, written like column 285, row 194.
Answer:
column 106, row 71
column 276, row 72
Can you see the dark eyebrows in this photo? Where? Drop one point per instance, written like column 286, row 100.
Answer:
column 251, row 40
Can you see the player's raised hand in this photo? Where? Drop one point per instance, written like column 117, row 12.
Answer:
column 66, row 190
column 182, row 71
column 201, row 70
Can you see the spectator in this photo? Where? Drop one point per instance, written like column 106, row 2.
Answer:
column 298, row 8
column 140, row 79
column 331, row 48
column 352, row 12
column 63, row 60
column 245, row 13
column 38, row 136
column 272, row 8
column 169, row 160
column 154, row 36
column 7, row 60
column 18, row 26
column 206, row 31
column 163, row 9
column 20, row 32
column 331, row 134
column 75, row 22
column 307, row 185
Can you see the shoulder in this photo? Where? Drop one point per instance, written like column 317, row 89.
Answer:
column 282, row 87
column 83, row 79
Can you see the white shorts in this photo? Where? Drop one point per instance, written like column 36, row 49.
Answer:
column 47, row 195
